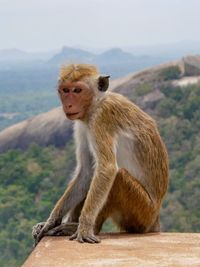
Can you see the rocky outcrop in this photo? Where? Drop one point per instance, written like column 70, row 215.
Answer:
column 48, row 128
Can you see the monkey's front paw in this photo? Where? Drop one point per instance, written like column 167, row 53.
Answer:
column 83, row 236
column 36, row 229
column 50, row 223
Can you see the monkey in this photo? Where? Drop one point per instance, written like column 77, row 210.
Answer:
column 122, row 162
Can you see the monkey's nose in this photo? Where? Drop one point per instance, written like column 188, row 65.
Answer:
column 69, row 106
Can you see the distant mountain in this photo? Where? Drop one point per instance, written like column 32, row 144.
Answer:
column 69, row 54
column 148, row 52
column 111, row 56
column 115, row 55
column 115, row 61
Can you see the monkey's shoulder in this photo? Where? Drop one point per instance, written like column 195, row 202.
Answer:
column 114, row 102
column 119, row 112
column 117, row 99
column 117, row 104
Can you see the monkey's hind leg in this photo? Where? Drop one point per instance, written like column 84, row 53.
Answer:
column 138, row 211
column 130, row 206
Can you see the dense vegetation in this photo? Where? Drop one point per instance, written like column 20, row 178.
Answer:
column 170, row 73
column 33, row 180
column 180, row 127
column 30, row 183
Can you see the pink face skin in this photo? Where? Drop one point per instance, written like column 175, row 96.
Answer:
column 76, row 99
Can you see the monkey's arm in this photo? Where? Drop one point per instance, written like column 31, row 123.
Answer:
column 73, row 195
column 77, row 188
column 102, row 181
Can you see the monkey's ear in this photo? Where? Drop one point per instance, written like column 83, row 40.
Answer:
column 103, row 83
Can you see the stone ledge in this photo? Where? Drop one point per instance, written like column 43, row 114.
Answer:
column 144, row 250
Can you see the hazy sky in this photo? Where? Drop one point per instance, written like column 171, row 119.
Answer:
column 35, row 25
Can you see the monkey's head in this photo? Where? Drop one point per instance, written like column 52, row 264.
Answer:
column 79, row 86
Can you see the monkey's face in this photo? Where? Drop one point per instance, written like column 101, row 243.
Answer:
column 76, row 98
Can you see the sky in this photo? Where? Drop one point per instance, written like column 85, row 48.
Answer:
column 44, row 25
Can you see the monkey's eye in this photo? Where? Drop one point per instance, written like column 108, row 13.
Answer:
column 77, row 90
column 65, row 90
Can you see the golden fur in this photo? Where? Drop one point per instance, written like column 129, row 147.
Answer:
column 75, row 72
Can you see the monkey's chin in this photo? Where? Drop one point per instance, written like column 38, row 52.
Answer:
column 73, row 116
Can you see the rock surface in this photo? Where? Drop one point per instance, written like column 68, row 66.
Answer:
column 45, row 129
column 155, row 249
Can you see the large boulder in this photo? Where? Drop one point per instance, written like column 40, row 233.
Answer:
column 45, row 129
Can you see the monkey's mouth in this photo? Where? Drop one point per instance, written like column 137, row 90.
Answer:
column 72, row 114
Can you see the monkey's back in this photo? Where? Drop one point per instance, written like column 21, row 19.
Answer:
column 138, row 145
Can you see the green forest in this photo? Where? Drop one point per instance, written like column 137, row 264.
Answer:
column 31, row 181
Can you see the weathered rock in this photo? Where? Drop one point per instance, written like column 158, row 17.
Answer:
column 48, row 128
